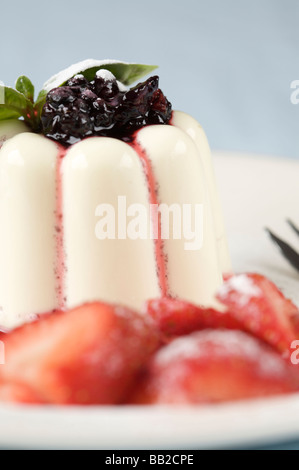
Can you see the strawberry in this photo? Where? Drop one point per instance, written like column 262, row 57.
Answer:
column 19, row 393
column 261, row 309
column 88, row 355
column 175, row 317
column 213, row 366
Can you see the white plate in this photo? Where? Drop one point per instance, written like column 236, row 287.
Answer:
column 256, row 192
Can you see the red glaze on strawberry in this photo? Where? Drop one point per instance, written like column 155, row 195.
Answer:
column 175, row 317
column 19, row 393
column 213, row 366
column 261, row 308
column 89, row 355
column 103, row 354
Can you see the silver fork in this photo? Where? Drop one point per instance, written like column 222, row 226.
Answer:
column 291, row 255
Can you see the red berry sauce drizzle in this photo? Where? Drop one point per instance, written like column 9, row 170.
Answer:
column 60, row 266
column 156, row 218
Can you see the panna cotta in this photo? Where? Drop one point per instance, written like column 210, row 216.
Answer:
column 11, row 127
column 87, row 221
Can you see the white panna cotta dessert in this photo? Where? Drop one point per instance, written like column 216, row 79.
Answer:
column 111, row 197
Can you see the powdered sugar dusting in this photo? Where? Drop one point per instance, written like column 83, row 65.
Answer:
column 186, row 347
column 76, row 69
column 243, row 285
column 106, row 75
column 213, row 344
column 123, row 88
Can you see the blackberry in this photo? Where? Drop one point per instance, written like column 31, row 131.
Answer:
column 81, row 109
column 161, row 109
column 78, row 81
column 105, row 85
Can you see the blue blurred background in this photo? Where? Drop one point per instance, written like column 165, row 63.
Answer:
column 229, row 63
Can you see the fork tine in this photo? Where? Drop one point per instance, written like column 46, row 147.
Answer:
column 288, row 252
column 293, row 226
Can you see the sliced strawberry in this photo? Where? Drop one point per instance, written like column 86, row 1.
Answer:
column 89, row 355
column 176, row 317
column 19, row 393
column 261, row 308
column 213, row 366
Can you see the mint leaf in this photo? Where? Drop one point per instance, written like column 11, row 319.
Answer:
column 39, row 104
column 124, row 72
column 24, row 86
column 8, row 114
column 14, row 104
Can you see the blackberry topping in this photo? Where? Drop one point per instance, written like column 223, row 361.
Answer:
column 81, row 109
column 105, row 85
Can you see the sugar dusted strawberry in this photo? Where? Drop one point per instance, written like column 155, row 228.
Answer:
column 89, row 355
column 214, row 366
column 261, row 309
column 175, row 317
